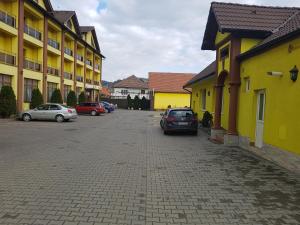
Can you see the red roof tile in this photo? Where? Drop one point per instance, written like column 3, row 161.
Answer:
column 132, row 82
column 169, row 82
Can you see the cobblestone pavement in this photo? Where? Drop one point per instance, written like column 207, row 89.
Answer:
column 121, row 169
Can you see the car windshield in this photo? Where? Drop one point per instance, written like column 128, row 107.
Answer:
column 181, row 113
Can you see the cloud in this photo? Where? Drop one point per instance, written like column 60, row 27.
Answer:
column 140, row 36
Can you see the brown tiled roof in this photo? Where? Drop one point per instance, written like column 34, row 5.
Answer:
column 169, row 82
column 85, row 29
column 287, row 30
column 64, row 16
column 132, row 82
column 209, row 71
column 246, row 20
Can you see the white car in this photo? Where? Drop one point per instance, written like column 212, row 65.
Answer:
column 49, row 111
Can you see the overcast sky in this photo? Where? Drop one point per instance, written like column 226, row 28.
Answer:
column 139, row 36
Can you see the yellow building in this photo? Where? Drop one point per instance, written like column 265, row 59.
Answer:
column 166, row 89
column 257, row 98
column 47, row 49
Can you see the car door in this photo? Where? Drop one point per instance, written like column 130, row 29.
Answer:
column 40, row 112
column 53, row 111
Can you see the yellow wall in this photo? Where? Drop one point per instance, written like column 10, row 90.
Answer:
column 227, row 60
column 220, row 37
column 282, row 124
column 162, row 100
column 197, row 96
column 247, row 44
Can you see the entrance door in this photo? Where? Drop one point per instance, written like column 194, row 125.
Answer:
column 260, row 117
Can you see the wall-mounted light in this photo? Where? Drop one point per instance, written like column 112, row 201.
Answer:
column 294, row 73
column 275, row 73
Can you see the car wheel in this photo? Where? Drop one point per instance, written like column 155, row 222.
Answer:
column 166, row 132
column 59, row 118
column 195, row 133
column 67, row 120
column 93, row 113
column 26, row 117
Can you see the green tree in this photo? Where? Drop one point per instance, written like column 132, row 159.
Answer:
column 56, row 97
column 81, row 98
column 8, row 103
column 136, row 102
column 36, row 99
column 129, row 101
column 144, row 103
column 72, row 99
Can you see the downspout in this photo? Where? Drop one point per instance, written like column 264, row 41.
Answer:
column 190, row 96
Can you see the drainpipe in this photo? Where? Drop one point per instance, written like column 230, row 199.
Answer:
column 190, row 96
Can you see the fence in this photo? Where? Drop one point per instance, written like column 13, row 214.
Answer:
column 122, row 103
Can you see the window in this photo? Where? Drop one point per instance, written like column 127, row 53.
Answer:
column 247, row 84
column 143, row 92
column 124, row 92
column 43, row 107
column 54, row 107
column 5, row 80
column 67, row 89
column 29, row 86
column 50, row 89
column 203, row 102
column 224, row 53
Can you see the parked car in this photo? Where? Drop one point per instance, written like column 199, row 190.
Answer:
column 49, row 111
column 181, row 119
column 92, row 108
column 108, row 106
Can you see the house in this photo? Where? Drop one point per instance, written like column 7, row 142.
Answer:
column 167, row 90
column 203, row 91
column 132, row 86
column 105, row 93
column 257, row 98
column 47, row 49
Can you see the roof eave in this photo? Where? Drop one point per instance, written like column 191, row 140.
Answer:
column 200, row 79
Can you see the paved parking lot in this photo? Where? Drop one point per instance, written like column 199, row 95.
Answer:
column 121, row 169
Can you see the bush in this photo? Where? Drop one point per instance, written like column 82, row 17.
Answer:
column 207, row 119
column 36, row 99
column 56, row 97
column 81, row 98
column 72, row 99
column 136, row 102
column 8, row 103
column 129, row 101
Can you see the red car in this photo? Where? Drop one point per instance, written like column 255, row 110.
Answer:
column 93, row 108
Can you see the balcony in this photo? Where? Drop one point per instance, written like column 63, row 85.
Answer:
column 88, row 81
column 52, row 71
column 32, row 65
column 33, row 32
column 79, row 79
column 79, row 57
column 53, row 44
column 97, row 67
column 7, row 19
column 7, row 58
column 88, row 62
column 68, row 52
column 97, row 83
column 68, row 75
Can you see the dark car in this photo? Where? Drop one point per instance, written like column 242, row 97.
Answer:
column 179, row 120
column 93, row 108
column 108, row 107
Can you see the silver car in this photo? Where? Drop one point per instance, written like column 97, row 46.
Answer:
column 49, row 111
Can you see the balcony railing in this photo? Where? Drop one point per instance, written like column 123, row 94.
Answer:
column 97, row 67
column 79, row 57
column 32, row 65
column 7, row 58
column 97, row 83
column 88, row 81
column 33, row 32
column 9, row 20
column 68, row 51
column 53, row 44
column 52, row 71
column 68, row 75
column 79, row 79
column 89, row 62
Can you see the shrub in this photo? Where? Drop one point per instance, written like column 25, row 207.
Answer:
column 81, row 98
column 8, row 103
column 145, row 103
column 56, row 97
column 207, row 119
column 136, row 102
column 129, row 101
column 36, row 99
column 72, row 99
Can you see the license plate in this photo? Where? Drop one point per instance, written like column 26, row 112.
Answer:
column 183, row 123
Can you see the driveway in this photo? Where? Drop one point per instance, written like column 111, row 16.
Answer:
column 121, row 169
